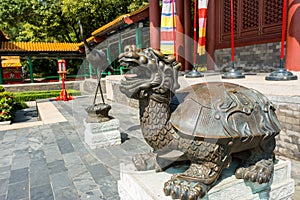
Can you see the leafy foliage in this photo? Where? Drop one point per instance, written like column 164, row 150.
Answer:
column 2, row 88
column 7, row 106
column 57, row 21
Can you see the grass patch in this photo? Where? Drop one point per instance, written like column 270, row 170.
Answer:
column 34, row 95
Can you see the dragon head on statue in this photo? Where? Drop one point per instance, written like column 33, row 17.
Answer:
column 151, row 73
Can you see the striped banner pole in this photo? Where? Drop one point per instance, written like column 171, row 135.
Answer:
column 202, row 18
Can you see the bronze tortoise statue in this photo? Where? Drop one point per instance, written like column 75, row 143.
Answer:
column 212, row 123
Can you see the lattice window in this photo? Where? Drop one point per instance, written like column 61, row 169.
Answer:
column 250, row 14
column 273, row 11
column 255, row 21
column 226, row 16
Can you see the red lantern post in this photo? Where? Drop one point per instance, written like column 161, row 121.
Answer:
column 233, row 73
column 62, row 71
column 282, row 74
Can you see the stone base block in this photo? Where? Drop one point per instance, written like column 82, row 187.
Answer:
column 103, row 134
column 148, row 185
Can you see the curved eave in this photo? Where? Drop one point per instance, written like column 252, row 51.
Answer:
column 109, row 26
column 141, row 14
column 81, row 44
column 130, row 18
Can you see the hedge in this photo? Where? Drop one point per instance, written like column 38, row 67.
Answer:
column 34, row 95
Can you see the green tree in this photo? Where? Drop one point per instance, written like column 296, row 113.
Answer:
column 57, row 21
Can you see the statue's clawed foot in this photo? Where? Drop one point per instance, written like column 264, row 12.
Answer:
column 182, row 189
column 260, row 172
column 194, row 182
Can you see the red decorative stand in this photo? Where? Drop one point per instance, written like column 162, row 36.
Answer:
column 62, row 72
column 63, row 94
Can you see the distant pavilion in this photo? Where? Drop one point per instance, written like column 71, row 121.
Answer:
column 12, row 52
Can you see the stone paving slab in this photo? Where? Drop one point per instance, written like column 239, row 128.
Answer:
column 52, row 161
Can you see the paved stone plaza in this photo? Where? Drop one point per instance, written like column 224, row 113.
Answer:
column 52, row 161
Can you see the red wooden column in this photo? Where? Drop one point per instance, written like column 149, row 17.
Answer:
column 187, row 36
column 211, row 34
column 292, row 62
column 180, row 32
column 154, row 17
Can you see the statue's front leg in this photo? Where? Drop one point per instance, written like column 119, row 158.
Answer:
column 157, row 161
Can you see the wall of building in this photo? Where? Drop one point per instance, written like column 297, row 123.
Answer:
column 253, row 58
column 288, row 113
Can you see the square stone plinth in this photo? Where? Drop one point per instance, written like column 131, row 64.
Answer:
column 102, row 134
column 148, row 185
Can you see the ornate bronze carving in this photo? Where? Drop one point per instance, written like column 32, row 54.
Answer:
column 211, row 123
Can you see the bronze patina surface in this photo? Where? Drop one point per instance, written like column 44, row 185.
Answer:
column 207, row 124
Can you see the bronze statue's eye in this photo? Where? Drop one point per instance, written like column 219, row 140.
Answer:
column 148, row 54
column 143, row 59
column 127, row 48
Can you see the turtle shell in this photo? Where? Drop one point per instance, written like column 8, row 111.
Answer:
column 223, row 110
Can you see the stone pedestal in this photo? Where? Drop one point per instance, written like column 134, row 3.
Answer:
column 148, row 185
column 102, row 134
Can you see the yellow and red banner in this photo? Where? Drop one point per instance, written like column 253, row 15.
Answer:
column 168, row 27
column 202, row 17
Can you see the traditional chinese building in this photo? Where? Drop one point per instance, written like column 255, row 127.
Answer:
column 131, row 28
column 13, row 52
column 12, row 69
column 257, row 33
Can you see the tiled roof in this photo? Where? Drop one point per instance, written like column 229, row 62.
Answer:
column 116, row 22
column 11, row 61
column 38, row 46
column 119, row 20
column 88, row 40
